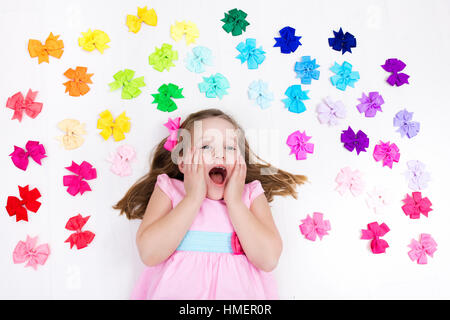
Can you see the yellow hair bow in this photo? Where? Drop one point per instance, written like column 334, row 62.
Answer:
column 184, row 28
column 73, row 129
column 117, row 128
column 52, row 47
column 144, row 15
column 94, row 39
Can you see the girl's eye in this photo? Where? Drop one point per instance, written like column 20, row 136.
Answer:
column 231, row 148
column 205, row 147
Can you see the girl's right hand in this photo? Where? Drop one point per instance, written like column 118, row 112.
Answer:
column 194, row 177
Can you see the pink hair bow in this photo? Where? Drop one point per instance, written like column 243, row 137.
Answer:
column 420, row 249
column 315, row 226
column 33, row 149
column 236, row 244
column 173, row 126
column 76, row 183
column 79, row 238
column 298, row 142
column 374, row 233
column 415, row 205
column 121, row 160
column 28, row 252
column 349, row 180
column 388, row 152
column 19, row 105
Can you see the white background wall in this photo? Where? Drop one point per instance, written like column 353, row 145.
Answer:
column 341, row 265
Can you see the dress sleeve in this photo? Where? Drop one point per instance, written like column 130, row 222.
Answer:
column 255, row 189
column 165, row 184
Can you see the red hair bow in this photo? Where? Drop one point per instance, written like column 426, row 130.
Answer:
column 79, row 238
column 15, row 206
column 19, row 105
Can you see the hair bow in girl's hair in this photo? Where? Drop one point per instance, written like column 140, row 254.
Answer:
column 184, row 28
column 143, row 15
column 76, row 183
column 19, row 105
column 77, row 85
column 80, row 238
column 28, row 252
column 121, row 160
column 173, row 126
column 420, row 249
column 53, row 47
column 73, row 130
column 374, row 232
column 15, row 206
column 20, row 157
column 117, row 128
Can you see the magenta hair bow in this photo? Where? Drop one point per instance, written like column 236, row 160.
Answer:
column 388, row 152
column 415, row 205
column 298, row 142
column 374, row 233
column 76, row 183
column 173, row 126
column 121, row 160
column 19, row 105
column 28, row 252
column 420, row 249
column 349, row 180
column 33, row 149
column 315, row 226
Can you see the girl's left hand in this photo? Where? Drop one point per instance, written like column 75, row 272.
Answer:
column 235, row 186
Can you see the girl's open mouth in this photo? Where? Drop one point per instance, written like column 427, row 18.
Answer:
column 218, row 175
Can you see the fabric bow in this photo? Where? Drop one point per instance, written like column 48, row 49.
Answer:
column 173, row 126
column 288, row 42
column 94, row 39
column 349, row 180
column 235, row 22
column 250, row 53
column 258, row 91
column 164, row 99
column 214, row 86
column 236, row 244
column 315, row 226
column 28, row 252
column 341, row 41
column 121, row 160
column 184, row 28
column 403, row 120
column 53, row 47
column 73, row 130
column 117, row 128
column 77, row 85
column 396, row 78
column 329, row 111
column 130, row 87
column 76, row 183
column 15, row 206
column 163, row 57
column 377, row 199
column 358, row 141
column 420, row 249
column 20, row 157
column 298, row 142
column 388, row 152
column 19, row 105
column 374, row 232
column 417, row 176
column 79, row 238
column 198, row 59
column 295, row 96
column 344, row 76
column 143, row 15
column 370, row 104
column 415, row 205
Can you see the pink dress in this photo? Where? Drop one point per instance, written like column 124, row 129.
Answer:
column 197, row 275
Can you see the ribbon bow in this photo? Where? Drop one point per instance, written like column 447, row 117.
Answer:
column 20, row 157
column 19, row 105
column 315, row 226
column 79, row 238
column 94, row 39
column 173, row 126
column 75, row 183
column 117, row 128
column 147, row 16
column 73, row 129
column 184, row 28
column 347, row 179
column 53, row 47
column 162, row 58
column 298, row 142
column 388, row 152
column 28, row 252
column 130, row 87
column 420, row 249
column 415, row 204
column 374, row 233
column 121, row 160
column 77, row 86
column 15, row 206
column 236, row 244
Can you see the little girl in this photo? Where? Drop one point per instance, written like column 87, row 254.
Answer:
column 207, row 231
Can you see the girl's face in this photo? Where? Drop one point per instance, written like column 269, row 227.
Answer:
column 218, row 140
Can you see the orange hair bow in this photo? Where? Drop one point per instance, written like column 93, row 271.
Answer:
column 52, row 47
column 77, row 86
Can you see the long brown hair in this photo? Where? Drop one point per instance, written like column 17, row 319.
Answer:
column 278, row 183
